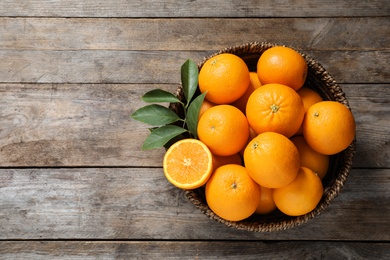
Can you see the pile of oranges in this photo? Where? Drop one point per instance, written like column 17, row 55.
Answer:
column 264, row 138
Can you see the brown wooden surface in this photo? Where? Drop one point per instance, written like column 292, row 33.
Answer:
column 135, row 203
column 74, row 182
column 202, row 8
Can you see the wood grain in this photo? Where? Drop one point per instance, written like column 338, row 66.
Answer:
column 370, row 105
column 356, row 33
column 150, row 8
column 139, row 204
column 74, row 183
column 73, row 125
column 192, row 250
column 104, row 66
column 89, row 125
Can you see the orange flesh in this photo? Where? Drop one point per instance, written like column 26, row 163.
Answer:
column 188, row 163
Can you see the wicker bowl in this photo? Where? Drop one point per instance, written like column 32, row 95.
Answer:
column 340, row 164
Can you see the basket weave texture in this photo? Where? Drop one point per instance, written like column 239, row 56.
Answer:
column 340, row 164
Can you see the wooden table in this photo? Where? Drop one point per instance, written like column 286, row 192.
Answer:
column 74, row 182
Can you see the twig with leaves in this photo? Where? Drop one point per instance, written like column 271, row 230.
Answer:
column 162, row 118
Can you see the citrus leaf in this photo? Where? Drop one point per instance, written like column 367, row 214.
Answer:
column 160, row 136
column 189, row 79
column 155, row 115
column 159, row 95
column 193, row 114
column 176, row 139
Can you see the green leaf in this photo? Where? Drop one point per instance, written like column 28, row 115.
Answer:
column 176, row 139
column 159, row 95
column 189, row 79
column 193, row 114
column 155, row 115
column 160, row 136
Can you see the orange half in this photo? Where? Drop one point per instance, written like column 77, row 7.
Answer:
column 188, row 164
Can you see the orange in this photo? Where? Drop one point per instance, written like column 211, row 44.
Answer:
column 266, row 204
column 254, row 84
column 231, row 193
column 224, row 129
column 282, row 65
column 300, row 196
column 218, row 161
column 225, row 78
column 205, row 105
column 188, row 164
column 272, row 160
column 275, row 108
column 311, row 159
column 329, row 127
column 309, row 97
column 252, row 134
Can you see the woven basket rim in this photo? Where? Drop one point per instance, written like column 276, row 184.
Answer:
column 331, row 90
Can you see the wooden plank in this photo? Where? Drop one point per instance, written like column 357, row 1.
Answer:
column 87, row 66
column 192, row 34
column 150, row 8
column 140, row 204
column 73, row 125
column 104, row 66
column 372, row 115
column 89, row 125
column 192, row 250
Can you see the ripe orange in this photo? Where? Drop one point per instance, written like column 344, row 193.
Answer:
column 225, row 77
column 329, row 127
column 252, row 134
column 266, row 204
column 224, row 129
column 188, row 164
column 254, row 84
column 311, row 159
column 300, row 196
column 282, row 65
column 275, row 108
column 309, row 97
column 272, row 160
column 231, row 193
column 218, row 161
column 205, row 105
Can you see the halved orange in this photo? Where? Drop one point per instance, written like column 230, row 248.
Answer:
column 188, row 164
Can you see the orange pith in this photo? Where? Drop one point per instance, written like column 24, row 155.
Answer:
column 188, row 164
